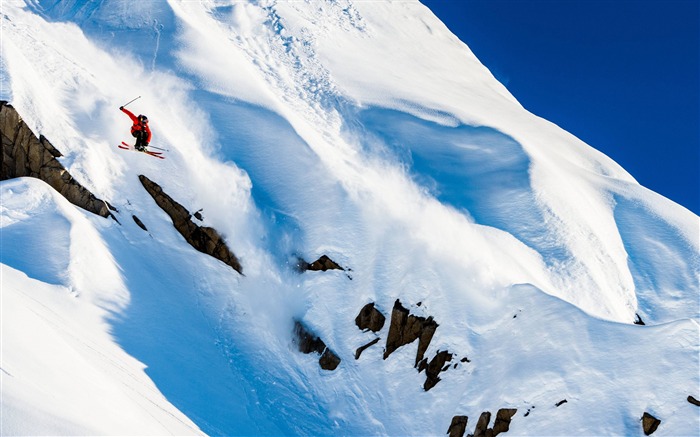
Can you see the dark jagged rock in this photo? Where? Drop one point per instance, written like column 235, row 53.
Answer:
column 361, row 349
column 204, row 239
column 139, row 223
column 649, row 423
column 500, row 425
column 25, row 155
column 560, row 403
column 693, row 401
column 503, row 419
column 308, row 343
column 638, row 320
column 406, row 328
column 370, row 318
column 482, row 425
column 458, row 426
column 329, row 360
column 323, row 263
column 433, row 369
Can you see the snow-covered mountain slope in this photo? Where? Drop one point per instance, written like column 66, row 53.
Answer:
column 62, row 372
column 361, row 130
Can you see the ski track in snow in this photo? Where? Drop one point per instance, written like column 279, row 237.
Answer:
column 312, row 135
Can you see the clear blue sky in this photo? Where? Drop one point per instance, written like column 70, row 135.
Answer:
column 621, row 75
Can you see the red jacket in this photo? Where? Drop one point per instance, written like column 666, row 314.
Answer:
column 137, row 126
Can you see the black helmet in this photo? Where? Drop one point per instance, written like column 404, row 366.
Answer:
column 143, row 118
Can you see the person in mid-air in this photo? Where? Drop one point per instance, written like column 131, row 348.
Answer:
column 139, row 129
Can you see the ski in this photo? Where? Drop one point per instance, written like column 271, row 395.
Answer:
column 130, row 147
column 125, row 146
column 133, row 149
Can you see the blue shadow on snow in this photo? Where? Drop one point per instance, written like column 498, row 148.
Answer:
column 477, row 170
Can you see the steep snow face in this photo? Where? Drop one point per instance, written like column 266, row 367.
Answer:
column 366, row 131
column 62, row 373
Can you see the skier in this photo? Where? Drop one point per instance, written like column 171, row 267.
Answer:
column 139, row 129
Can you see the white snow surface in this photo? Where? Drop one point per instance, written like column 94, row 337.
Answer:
column 361, row 130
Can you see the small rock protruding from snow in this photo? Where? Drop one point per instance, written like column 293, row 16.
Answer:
column 139, row 223
column 434, row 367
column 458, row 426
column 482, row 425
column 500, row 425
column 370, row 318
column 503, row 418
column 361, row 349
column 308, row 343
column 649, row 423
column 323, row 263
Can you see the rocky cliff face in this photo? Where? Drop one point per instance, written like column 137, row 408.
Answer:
column 23, row 154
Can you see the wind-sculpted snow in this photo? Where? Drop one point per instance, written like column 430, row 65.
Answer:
column 661, row 261
column 478, row 170
column 33, row 228
column 364, row 131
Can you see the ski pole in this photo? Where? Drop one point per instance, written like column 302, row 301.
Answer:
column 159, row 148
column 123, row 106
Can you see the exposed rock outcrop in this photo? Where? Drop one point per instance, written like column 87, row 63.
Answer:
column 458, row 426
column 204, row 239
column 649, row 423
column 370, row 318
column 322, row 264
column 500, row 425
column 503, row 419
column 482, row 425
column 23, row 154
column 361, row 349
column 434, row 367
column 139, row 223
column 693, row 401
column 406, row 328
column 308, row 343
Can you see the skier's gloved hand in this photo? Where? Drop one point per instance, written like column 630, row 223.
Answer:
column 121, row 107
